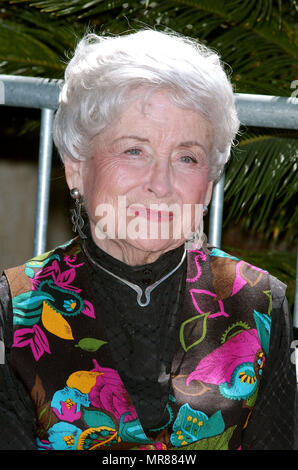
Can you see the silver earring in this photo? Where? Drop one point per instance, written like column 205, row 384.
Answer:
column 198, row 240
column 76, row 217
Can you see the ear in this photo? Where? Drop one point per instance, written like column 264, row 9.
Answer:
column 74, row 173
column 208, row 193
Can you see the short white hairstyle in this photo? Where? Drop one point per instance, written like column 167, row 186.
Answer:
column 105, row 70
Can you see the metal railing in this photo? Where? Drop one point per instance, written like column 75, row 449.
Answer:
column 30, row 92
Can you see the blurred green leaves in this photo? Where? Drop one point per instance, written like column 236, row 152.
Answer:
column 25, row 52
column 262, row 182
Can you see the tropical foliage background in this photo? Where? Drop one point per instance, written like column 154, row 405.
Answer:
column 257, row 39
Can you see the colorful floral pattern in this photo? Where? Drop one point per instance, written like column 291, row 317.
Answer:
column 41, row 303
column 81, row 401
column 85, row 394
column 192, row 425
column 237, row 365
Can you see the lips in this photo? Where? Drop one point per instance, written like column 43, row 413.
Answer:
column 151, row 214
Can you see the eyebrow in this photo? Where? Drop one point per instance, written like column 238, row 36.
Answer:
column 141, row 139
column 192, row 143
column 188, row 143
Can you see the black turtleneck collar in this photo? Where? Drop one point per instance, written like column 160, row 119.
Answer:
column 144, row 274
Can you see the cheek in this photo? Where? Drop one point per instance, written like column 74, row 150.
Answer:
column 93, row 186
column 126, row 177
column 193, row 188
column 105, row 181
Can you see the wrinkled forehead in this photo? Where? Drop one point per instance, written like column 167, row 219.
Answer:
column 151, row 114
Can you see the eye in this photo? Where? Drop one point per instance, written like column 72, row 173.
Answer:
column 133, row 151
column 188, row 159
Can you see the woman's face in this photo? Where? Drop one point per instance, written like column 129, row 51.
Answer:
column 148, row 170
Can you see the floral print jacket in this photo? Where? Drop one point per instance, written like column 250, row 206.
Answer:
column 61, row 356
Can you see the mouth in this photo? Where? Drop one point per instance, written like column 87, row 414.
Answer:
column 151, row 214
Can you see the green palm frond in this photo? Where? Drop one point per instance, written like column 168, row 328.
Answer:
column 254, row 37
column 24, row 52
column 261, row 180
column 33, row 45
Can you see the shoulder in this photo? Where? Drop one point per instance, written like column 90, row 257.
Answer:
column 229, row 275
column 19, row 277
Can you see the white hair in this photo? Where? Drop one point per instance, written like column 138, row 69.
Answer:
column 105, row 70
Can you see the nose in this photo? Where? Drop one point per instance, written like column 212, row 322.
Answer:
column 159, row 181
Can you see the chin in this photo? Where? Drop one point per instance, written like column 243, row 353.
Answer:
column 154, row 246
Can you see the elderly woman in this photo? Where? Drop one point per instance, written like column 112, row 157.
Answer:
column 136, row 334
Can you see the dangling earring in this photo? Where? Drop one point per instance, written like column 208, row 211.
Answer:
column 76, row 218
column 199, row 239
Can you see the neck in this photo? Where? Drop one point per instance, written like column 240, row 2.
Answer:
column 123, row 251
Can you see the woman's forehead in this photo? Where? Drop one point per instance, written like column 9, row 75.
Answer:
column 157, row 117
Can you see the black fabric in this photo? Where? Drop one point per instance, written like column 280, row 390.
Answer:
column 137, row 333
column 17, row 417
column 273, row 423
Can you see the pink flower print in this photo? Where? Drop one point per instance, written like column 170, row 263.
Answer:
column 70, row 260
column 239, row 282
column 202, row 256
column 33, row 337
column 68, row 411
column 61, row 279
column 218, row 366
column 88, row 309
column 67, row 403
column 154, row 446
column 64, row 278
column 211, row 303
column 109, row 394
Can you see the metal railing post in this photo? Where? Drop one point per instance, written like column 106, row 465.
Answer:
column 216, row 213
column 295, row 317
column 43, row 184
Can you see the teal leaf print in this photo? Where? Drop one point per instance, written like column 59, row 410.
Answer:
column 132, row 431
column 39, row 262
column 27, row 307
column 220, row 442
column 263, row 323
column 192, row 425
column 70, row 304
column 96, row 419
column 222, row 254
column 243, row 385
